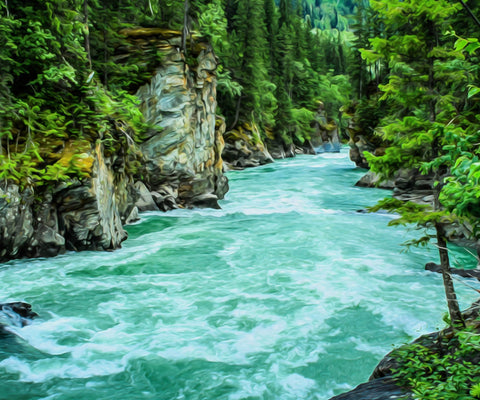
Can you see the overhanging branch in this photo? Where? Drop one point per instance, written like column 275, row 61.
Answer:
column 469, row 11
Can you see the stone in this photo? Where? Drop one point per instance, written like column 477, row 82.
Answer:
column 324, row 138
column 378, row 389
column 16, row 221
column 372, row 179
column 17, row 313
column 145, row 202
column 133, row 217
column 205, row 201
column 186, row 154
column 244, row 148
column 181, row 162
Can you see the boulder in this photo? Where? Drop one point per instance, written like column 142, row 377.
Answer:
column 145, row 201
column 244, row 148
column 280, row 150
column 378, row 389
column 17, row 313
column 372, row 179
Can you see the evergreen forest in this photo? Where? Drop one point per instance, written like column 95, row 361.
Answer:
column 403, row 75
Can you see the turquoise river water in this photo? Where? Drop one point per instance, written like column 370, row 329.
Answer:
column 286, row 293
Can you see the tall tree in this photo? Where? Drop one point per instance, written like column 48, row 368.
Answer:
column 419, row 89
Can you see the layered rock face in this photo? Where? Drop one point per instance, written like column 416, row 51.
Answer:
column 75, row 215
column 184, row 164
column 180, row 157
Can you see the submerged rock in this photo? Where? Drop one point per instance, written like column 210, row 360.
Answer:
column 17, row 314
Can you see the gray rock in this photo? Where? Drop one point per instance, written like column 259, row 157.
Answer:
column 377, row 389
column 16, row 221
column 185, row 154
column 145, row 202
column 372, row 179
column 133, row 217
column 244, row 149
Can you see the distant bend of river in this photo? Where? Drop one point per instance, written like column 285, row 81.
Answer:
column 285, row 293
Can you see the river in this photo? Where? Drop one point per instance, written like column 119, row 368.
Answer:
column 285, row 293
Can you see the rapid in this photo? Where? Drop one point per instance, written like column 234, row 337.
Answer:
column 287, row 292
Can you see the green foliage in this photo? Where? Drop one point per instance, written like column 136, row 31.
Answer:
column 446, row 371
column 328, row 14
column 49, row 92
column 274, row 67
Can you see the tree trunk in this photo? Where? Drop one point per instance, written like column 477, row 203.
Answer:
column 456, row 319
column 87, row 34
column 105, row 58
column 470, row 12
column 453, row 308
column 237, row 113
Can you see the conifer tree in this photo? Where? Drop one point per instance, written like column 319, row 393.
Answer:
column 420, row 93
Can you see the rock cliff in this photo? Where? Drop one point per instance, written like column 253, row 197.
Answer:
column 245, row 148
column 184, row 166
column 180, row 162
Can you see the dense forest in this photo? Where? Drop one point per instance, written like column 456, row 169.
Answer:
column 404, row 75
column 61, row 76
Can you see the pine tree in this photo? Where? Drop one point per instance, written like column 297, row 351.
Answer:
column 420, row 94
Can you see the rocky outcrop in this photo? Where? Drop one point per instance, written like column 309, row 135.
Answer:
column 411, row 185
column 377, row 389
column 79, row 214
column 362, row 119
column 359, row 144
column 184, row 167
column 180, row 161
column 244, row 148
column 17, row 314
column 325, row 138
column 372, row 179
column 280, row 150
